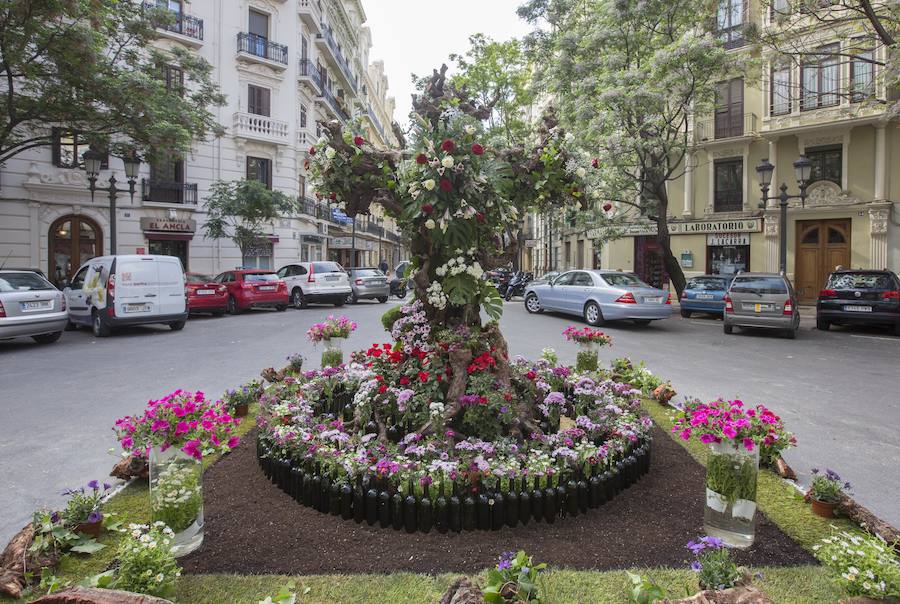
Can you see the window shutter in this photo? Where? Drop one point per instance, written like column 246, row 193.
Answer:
column 265, row 101
column 56, row 143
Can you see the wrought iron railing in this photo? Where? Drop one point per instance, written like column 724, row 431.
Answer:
column 262, row 47
column 328, row 36
column 186, row 25
column 161, row 191
column 726, row 126
column 335, row 104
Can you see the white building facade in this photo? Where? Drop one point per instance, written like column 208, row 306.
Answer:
column 285, row 68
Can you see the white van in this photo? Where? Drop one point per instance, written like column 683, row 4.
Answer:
column 112, row 291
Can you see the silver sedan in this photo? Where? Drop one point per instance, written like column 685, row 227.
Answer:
column 30, row 306
column 600, row 296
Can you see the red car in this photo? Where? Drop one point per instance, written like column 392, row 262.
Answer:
column 254, row 288
column 205, row 295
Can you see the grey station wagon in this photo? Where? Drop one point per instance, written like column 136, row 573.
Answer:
column 765, row 300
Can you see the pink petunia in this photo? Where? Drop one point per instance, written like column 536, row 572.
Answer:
column 748, row 444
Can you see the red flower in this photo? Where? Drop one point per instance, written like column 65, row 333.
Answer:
column 404, row 381
column 333, row 195
column 358, row 141
column 477, row 149
column 427, row 208
column 423, row 376
column 446, row 185
column 448, row 145
column 379, row 378
column 421, row 159
column 479, row 216
column 595, row 163
column 531, row 375
column 607, row 207
column 382, row 389
column 312, row 150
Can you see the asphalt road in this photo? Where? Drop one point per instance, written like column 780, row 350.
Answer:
column 836, row 390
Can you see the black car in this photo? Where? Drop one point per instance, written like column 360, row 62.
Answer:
column 860, row 297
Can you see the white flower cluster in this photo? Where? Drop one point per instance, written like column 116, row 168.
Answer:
column 465, row 210
column 436, row 296
column 436, row 409
column 176, row 486
column 156, row 535
column 458, row 266
column 865, row 564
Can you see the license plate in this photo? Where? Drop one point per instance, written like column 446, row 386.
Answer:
column 137, row 307
column 705, row 296
column 37, row 305
column 205, row 292
column 653, row 299
column 267, row 288
column 332, row 278
column 854, row 308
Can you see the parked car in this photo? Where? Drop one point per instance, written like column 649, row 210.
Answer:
column 115, row 291
column 29, row 270
column 704, row 294
column 546, row 278
column 765, row 300
column 600, row 296
column 368, row 284
column 397, row 279
column 253, row 288
column 858, row 297
column 205, row 295
column 323, row 282
column 30, row 306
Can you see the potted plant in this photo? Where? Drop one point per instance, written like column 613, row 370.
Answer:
column 332, row 332
column 825, row 492
column 84, row 510
column 238, row 401
column 589, row 341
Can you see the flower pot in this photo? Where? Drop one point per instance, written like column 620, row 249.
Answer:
column 91, row 529
column 730, row 509
column 176, row 496
column 241, row 410
column 586, row 359
column 333, row 354
column 825, row 509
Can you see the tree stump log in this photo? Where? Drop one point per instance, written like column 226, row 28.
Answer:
column 864, row 517
column 735, row 595
column 90, row 595
column 16, row 561
column 131, row 467
column 462, row 591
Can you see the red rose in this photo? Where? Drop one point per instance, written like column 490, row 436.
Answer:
column 312, row 150
column 427, row 208
column 595, row 163
column 607, row 207
column 448, row 146
column 421, row 159
column 404, row 381
column 477, row 149
column 446, row 185
column 333, row 195
column 531, row 375
column 358, row 141
column 382, row 389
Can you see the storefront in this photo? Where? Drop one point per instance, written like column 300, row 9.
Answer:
column 260, row 253
column 727, row 253
column 168, row 237
column 352, row 252
column 648, row 261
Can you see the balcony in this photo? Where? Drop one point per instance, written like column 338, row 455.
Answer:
column 309, row 207
column 326, row 41
column 309, row 75
column 725, row 127
column 187, row 29
column 158, row 191
column 377, row 123
column 333, row 105
column 732, row 37
column 310, row 12
column 261, row 128
column 258, row 48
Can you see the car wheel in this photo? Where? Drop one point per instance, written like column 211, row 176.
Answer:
column 686, row 314
column 100, row 329
column 822, row 324
column 339, row 303
column 642, row 322
column 176, row 325
column 382, row 299
column 298, row 299
column 592, row 314
column 233, row 308
column 47, row 338
column 351, row 299
column 728, row 329
column 401, row 293
column 70, row 326
column 281, row 307
column 897, row 329
column 790, row 334
column 532, row 304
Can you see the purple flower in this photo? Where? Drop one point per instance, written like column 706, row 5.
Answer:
column 94, row 485
column 94, row 517
column 696, row 566
column 506, row 559
column 106, row 486
column 54, row 517
column 504, row 409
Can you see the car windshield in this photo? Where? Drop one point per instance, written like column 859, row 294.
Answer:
column 23, row 282
column 260, row 277
column 367, row 272
column 327, row 267
column 197, row 278
column 859, row 281
column 549, row 276
column 759, row 285
column 707, row 284
column 623, row 280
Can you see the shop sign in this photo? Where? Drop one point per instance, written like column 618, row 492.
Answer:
column 346, row 243
column 140, row 251
column 168, row 225
column 531, row 243
column 733, row 225
column 259, row 248
column 728, row 239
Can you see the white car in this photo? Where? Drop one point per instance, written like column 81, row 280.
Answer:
column 114, row 291
column 30, row 306
column 323, row 281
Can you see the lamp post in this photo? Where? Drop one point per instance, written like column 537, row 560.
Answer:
column 802, row 172
column 92, row 162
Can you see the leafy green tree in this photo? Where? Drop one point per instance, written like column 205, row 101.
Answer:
column 241, row 210
column 90, row 65
column 628, row 76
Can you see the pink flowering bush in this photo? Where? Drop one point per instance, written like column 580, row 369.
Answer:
column 722, row 421
column 332, row 327
column 182, row 419
column 586, row 335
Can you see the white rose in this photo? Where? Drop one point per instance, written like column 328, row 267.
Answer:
column 470, row 129
column 330, row 152
column 447, row 162
column 429, row 184
column 429, row 224
column 581, row 172
column 441, row 271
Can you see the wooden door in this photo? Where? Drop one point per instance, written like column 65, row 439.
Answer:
column 73, row 240
column 822, row 246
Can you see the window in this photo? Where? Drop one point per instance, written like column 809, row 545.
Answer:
column 258, row 255
column 583, row 280
column 23, row 282
column 302, row 115
column 302, row 186
column 729, row 185
column 780, row 90
column 174, row 78
column 827, row 163
column 260, row 169
column 259, row 24
column 623, row 280
column 759, row 285
column 729, row 119
column 821, row 79
column 779, row 8
column 730, row 22
column 304, row 48
column 862, row 75
column 565, row 279
column 259, row 100
column 70, row 145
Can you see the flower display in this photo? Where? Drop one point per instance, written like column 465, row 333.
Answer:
column 862, row 564
column 827, row 487
column 85, row 504
column 713, row 563
column 340, row 327
column 146, row 563
column 182, row 419
column 586, row 335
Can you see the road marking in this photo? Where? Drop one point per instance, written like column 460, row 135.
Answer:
column 855, row 335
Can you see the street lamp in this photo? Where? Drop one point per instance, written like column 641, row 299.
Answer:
column 92, row 162
column 802, row 172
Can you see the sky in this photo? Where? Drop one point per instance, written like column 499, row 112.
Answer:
column 416, row 36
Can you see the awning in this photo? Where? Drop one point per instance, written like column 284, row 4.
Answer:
column 167, row 236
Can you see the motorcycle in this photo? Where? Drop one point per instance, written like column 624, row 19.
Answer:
column 502, row 282
column 518, row 284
